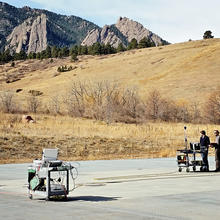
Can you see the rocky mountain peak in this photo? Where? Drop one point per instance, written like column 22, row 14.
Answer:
column 104, row 35
column 33, row 29
column 30, row 36
column 122, row 32
column 132, row 29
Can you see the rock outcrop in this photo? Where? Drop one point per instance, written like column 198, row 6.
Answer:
column 38, row 36
column 122, row 32
column 33, row 29
column 132, row 29
column 104, row 36
column 30, row 36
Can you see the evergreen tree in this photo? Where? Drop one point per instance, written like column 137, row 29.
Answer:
column 6, row 56
column 121, row 48
column 32, row 55
column 208, row 35
column 84, row 50
column 65, row 51
column 38, row 55
column 54, row 52
column 133, row 44
column 74, row 50
column 108, row 49
column 60, row 55
column 74, row 57
column 145, row 42
column 43, row 55
column 16, row 56
column 96, row 49
column 48, row 53
column 80, row 50
column 23, row 55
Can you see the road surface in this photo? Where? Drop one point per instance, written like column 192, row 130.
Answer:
column 121, row 189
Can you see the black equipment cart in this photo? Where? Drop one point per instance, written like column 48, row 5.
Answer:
column 187, row 158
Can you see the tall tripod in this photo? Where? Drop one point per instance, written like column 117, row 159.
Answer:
column 185, row 137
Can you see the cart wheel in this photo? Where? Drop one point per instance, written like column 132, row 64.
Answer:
column 187, row 170
column 180, row 169
column 30, row 196
column 194, row 169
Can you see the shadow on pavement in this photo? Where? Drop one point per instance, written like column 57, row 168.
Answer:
column 92, row 198
column 81, row 198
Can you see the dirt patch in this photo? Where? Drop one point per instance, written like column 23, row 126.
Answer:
column 25, row 149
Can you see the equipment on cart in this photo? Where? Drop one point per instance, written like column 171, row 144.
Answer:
column 49, row 177
column 191, row 157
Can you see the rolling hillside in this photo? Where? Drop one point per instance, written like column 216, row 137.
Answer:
column 187, row 71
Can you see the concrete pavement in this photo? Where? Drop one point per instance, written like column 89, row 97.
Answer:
column 121, row 189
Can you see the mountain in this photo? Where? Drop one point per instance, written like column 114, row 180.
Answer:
column 33, row 29
column 122, row 32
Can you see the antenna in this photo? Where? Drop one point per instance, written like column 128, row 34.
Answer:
column 185, row 137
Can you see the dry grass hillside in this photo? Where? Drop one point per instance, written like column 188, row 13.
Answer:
column 187, row 71
column 180, row 71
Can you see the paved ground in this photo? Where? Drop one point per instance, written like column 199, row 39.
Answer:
column 124, row 189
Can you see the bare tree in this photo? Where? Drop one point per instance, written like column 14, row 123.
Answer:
column 195, row 112
column 112, row 95
column 33, row 103
column 154, row 104
column 54, row 104
column 130, row 101
column 212, row 107
column 183, row 114
column 75, row 99
column 7, row 101
column 168, row 110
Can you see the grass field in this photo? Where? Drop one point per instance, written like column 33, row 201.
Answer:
column 82, row 139
column 186, row 72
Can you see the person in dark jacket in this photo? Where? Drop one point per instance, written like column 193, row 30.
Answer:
column 204, row 143
column 216, row 145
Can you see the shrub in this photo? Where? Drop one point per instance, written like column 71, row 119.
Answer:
column 35, row 92
column 64, row 68
column 13, row 64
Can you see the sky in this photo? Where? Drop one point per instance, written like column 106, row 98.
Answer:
column 173, row 20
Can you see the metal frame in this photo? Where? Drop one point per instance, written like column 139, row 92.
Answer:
column 49, row 193
column 189, row 163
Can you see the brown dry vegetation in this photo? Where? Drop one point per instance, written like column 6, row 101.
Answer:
column 186, row 72
column 81, row 139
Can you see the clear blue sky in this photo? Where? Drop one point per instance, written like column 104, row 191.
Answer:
column 174, row 20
